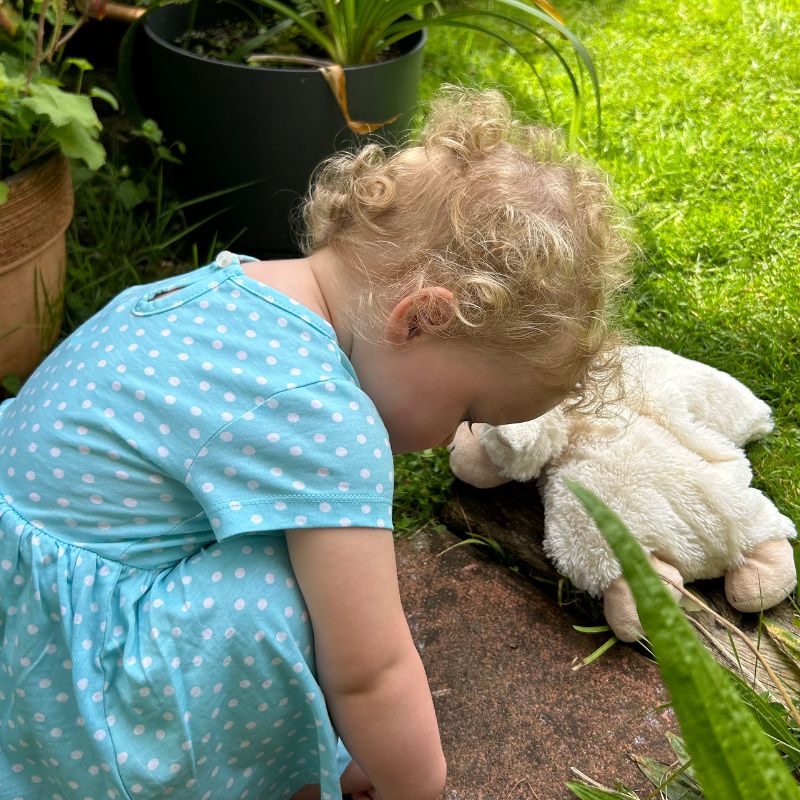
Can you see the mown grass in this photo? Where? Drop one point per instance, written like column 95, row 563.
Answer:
column 700, row 137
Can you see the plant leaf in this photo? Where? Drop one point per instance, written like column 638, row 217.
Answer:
column 607, row 645
column 732, row 757
column 671, row 781
column 785, row 640
column 76, row 142
column 585, row 792
column 104, row 94
column 61, row 107
column 3, row 192
column 772, row 717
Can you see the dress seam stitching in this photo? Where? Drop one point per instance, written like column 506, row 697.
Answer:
column 257, row 406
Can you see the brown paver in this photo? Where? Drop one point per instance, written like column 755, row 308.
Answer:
column 514, row 715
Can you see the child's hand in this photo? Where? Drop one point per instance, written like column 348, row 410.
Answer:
column 357, row 785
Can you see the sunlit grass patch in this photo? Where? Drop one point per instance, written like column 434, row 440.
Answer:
column 700, row 109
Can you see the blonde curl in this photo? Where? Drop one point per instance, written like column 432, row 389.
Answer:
column 525, row 235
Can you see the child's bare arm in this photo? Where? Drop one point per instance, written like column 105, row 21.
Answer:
column 367, row 664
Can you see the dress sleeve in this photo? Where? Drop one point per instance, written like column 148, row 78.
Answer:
column 312, row 456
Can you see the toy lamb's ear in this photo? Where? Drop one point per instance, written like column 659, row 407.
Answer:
column 521, row 450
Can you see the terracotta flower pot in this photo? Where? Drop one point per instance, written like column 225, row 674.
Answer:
column 33, row 223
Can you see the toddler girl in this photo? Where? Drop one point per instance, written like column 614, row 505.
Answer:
column 201, row 474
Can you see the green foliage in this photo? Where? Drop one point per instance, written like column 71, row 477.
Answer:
column 699, row 104
column 422, row 483
column 39, row 113
column 128, row 228
column 732, row 756
column 586, row 792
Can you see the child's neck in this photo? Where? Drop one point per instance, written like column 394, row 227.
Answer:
column 316, row 281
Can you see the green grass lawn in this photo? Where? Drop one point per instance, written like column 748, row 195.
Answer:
column 701, row 106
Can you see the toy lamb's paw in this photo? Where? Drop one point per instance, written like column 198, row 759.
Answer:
column 620, row 607
column 469, row 460
column 767, row 576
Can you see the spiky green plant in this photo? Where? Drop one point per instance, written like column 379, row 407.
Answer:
column 734, row 738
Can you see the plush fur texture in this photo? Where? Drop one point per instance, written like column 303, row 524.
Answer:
column 667, row 458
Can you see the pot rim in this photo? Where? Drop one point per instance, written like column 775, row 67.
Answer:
column 39, row 163
column 155, row 37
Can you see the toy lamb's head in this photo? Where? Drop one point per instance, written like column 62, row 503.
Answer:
column 486, row 456
column 668, row 458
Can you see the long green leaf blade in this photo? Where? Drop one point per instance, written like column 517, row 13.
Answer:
column 733, row 759
column 585, row 792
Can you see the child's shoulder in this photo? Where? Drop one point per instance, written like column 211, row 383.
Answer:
column 218, row 298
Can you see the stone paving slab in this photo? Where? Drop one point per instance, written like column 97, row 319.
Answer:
column 514, row 715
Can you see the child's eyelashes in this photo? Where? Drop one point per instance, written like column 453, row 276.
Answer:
column 468, row 419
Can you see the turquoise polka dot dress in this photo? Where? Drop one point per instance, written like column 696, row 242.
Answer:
column 154, row 641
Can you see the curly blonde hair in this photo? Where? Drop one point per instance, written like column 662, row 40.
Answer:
column 525, row 235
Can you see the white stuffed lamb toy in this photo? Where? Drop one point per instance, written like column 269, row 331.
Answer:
column 668, row 459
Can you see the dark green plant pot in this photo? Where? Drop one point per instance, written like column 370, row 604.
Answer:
column 269, row 125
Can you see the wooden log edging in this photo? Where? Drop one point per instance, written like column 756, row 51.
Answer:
column 513, row 516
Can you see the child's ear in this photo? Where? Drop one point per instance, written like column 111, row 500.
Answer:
column 423, row 310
